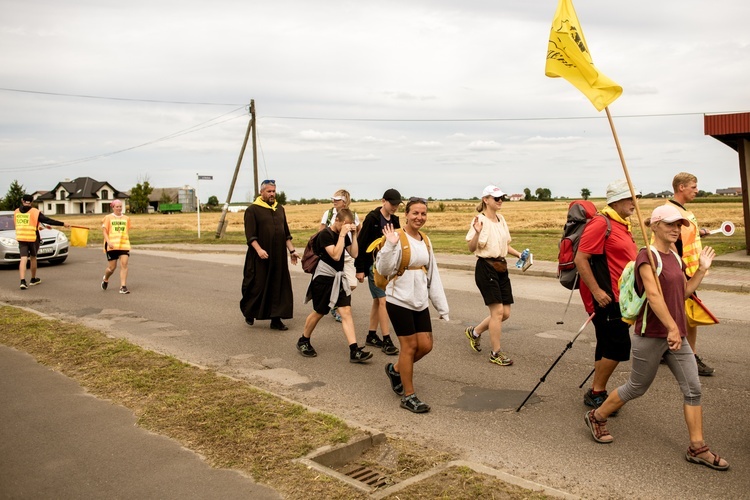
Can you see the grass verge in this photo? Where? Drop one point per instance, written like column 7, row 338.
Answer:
column 227, row 421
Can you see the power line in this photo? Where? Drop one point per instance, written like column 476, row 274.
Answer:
column 416, row 120
column 189, row 130
column 522, row 119
column 83, row 96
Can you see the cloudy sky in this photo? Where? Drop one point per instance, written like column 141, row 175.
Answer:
column 434, row 97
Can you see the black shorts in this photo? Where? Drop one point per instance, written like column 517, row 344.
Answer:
column 321, row 288
column 116, row 254
column 612, row 334
column 494, row 286
column 28, row 248
column 408, row 322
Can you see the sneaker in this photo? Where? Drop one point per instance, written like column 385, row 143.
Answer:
column 473, row 341
column 395, row 379
column 594, row 400
column 373, row 340
column 35, row 281
column 500, row 358
column 104, row 285
column 703, row 369
column 124, row 289
column 598, row 428
column 413, row 404
column 336, row 315
column 306, row 349
column 388, row 347
column 359, row 356
column 23, row 285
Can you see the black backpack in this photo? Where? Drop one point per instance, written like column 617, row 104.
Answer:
column 580, row 212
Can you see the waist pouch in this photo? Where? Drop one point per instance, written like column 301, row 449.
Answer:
column 499, row 264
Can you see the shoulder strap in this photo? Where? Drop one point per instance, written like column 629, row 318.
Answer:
column 329, row 217
column 405, row 252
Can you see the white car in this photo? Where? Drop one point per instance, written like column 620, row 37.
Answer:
column 53, row 248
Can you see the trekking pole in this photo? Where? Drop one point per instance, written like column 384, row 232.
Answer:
column 587, row 378
column 544, row 377
column 575, row 282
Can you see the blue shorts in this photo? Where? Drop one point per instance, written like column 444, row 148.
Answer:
column 377, row 293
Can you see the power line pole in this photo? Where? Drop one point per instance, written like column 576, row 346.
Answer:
column 250, row 127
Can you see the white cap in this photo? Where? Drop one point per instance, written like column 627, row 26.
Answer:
column 493, row 191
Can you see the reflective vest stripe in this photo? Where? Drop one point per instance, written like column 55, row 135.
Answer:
column 117, row 232
column 26, row 224
column 691, row 242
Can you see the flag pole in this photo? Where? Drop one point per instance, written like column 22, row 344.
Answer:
column 635, row 200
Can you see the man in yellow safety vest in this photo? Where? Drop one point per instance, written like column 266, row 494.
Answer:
column 27, row 220
column 689, row 246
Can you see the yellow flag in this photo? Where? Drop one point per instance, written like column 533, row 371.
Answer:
column 79, row 236
column 568, row 56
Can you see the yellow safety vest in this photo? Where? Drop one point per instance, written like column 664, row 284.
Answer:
column 117, row 232
column 26, row 224
column 691, row 241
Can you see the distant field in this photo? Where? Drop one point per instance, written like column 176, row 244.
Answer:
column 536, row 225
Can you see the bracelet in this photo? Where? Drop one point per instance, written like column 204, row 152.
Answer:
column 292, row 251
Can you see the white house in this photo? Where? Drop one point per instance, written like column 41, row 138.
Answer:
column 83, row 195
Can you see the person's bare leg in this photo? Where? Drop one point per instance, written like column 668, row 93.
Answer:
column 22, row 267
column 33, row 267
column 385, row 324
column 124, row 270
column 603, row 369
column 347, row 323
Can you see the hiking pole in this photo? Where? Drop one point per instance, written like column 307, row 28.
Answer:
column 562, row 320
column 544, row 377
column 587, row 378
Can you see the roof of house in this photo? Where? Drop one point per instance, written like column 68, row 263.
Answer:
column 82, row 188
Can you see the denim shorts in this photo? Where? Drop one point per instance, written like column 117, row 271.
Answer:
column 377, row 293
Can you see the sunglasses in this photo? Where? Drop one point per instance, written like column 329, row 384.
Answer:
column 414, row 199
column 269, row 181
column 499, row 198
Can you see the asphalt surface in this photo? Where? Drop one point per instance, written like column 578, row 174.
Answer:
column 187, row 305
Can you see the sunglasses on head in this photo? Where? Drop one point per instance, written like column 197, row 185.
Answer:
column 269, row 181
column 414, row 199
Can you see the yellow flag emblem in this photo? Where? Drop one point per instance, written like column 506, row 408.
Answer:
column 568, row 57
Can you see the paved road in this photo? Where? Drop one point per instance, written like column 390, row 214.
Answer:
column 187, row 306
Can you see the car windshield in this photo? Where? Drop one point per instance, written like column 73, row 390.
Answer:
column 6, row 222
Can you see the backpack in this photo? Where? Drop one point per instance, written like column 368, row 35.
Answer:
column 382, row 281
column 580, row 212
column 631, row 302
column 310, row 256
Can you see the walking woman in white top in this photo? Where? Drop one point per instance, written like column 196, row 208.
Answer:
column 407, row 299
column 489, row 239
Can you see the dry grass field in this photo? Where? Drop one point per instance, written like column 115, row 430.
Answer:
column 533, row 224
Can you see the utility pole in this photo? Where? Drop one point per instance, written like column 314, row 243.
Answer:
column 250, row 127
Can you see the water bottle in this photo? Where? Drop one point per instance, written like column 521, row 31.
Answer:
column 522, row 260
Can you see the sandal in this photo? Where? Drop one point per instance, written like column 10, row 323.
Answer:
column 598, row 428
column 692, row 456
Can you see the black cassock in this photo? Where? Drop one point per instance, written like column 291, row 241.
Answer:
column 267, row 286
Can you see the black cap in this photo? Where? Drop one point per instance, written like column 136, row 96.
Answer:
column 27, row 197
column 392, row 196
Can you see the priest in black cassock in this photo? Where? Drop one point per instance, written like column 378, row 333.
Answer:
column 267, row 286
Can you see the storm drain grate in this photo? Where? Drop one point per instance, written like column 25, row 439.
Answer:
column 366, row 475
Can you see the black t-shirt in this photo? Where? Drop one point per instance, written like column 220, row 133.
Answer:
column 329, row 237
